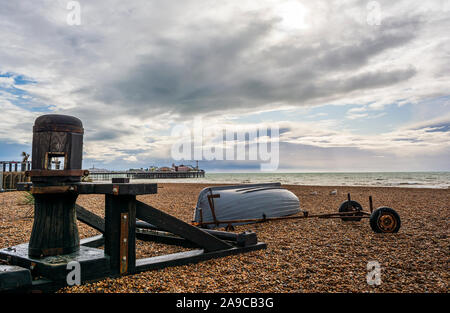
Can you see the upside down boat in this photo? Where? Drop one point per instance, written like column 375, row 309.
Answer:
column 216, row 205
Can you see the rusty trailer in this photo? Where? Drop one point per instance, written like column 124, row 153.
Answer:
column 382, row 220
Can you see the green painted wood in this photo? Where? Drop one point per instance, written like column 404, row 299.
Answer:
column 14, row 277
column 94, row 263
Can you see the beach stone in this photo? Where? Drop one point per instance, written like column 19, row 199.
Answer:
column 308, row 255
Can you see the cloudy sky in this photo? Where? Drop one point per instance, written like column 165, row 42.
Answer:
column 352, row 85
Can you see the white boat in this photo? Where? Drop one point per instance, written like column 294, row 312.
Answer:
column 241, row 202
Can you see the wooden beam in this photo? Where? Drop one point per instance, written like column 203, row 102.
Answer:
column 242, row 238
column 116, row 189
column 192, row 256
column 175, row 226
column 163, row 237
column 93, row 242
column 90, row 218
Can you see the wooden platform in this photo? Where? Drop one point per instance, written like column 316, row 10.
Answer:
column 94, row 263
column 119, row 234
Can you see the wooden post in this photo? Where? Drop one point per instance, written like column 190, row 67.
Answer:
column 120, row 232
column 55, row 229
column 11, row 181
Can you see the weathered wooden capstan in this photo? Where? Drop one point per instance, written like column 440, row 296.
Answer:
column 57, row 158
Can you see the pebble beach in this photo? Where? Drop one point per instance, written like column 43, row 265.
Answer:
column 303, row 255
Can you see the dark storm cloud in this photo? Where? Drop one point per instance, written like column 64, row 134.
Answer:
column 227, row 70
column 347, row 54
column 106, row 134
column 438, row 127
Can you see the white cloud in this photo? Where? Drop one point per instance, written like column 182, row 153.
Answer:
column 6, row 82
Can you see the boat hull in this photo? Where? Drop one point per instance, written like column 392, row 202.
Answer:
column 239, row 202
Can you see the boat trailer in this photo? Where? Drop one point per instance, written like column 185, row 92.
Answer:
column 382, row 220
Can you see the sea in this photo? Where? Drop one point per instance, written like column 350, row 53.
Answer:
column 438, row 180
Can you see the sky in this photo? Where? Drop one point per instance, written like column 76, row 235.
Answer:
column 351, row 85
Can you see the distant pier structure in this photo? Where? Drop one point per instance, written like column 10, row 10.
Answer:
column 174, row 172
column 103, row 176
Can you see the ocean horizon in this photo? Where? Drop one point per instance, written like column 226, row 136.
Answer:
column 438, row 180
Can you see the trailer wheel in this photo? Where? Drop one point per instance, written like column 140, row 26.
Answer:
column 385, row 220
column 354, row 206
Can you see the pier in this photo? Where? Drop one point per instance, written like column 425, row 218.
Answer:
column 13, row 172
column 106, row 176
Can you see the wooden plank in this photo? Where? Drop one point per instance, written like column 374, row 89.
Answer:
column 90, row 218
column 163, row 237
column 91, row 188
column 93, row 242
column 224, row 235
column 175, row 226
column 117, row 189
column 193, row 256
